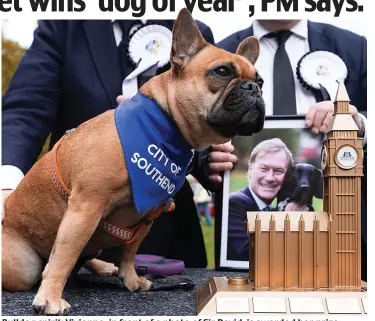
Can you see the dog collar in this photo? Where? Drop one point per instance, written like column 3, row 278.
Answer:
column 156, row 154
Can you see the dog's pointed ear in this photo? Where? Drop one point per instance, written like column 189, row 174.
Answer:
column 318, row 184
column 187, row 40
column 287, row 186
column 249, row 48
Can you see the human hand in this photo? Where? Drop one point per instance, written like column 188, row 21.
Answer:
column 220, row 160
column 320, row 116
column 121, row 99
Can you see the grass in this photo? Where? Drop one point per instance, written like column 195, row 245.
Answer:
column 238, row 180
column 209, row 241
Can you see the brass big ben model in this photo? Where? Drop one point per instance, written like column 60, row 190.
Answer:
column 342, row 159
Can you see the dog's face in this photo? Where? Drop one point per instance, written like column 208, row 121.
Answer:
column 235, row 89
column 217, row 90
column 302, row 182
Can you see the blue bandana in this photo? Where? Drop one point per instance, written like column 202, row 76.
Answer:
column 157, row 155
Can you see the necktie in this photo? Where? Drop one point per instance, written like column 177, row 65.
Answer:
column 147, row 75
column 267, row 209
column 284, row 96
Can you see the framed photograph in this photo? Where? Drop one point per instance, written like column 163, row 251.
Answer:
column 279, row 169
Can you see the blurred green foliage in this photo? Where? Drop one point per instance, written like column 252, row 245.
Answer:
column 11, row 56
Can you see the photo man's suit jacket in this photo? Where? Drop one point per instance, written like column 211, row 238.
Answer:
column 240, row 202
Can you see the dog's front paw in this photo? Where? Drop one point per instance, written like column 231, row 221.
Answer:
column 50, row 306
column 137, row 284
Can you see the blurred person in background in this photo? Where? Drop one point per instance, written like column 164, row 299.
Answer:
column 202, row 199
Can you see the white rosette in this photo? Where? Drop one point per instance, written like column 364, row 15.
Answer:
column 149, row 46
column 321, row 68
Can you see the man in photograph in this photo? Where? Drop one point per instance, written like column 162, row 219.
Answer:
column 268, row 164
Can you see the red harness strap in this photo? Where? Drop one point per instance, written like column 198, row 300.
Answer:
column 128, row 235
column 57, row 180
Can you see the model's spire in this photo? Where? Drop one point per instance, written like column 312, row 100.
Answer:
column 342, row 119
column 342, row 94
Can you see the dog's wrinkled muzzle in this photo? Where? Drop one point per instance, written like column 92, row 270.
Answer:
column 243, row 111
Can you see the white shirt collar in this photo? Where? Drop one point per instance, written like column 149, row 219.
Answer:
column 261, row 204
column 143, row 21
column 300, row 29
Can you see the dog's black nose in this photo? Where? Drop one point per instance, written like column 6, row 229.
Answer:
column 304, row 188
column 251, row 86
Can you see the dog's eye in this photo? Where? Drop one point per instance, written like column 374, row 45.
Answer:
column 296, row 174
column 222, row 71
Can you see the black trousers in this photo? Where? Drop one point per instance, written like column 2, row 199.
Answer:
column 176, row 235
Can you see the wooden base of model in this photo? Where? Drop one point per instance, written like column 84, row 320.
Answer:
column 236, row 296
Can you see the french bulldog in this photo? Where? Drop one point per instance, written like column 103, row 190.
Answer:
column 210, row 95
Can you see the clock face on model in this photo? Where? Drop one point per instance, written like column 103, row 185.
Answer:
column 346, row 157
column 323, row 163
